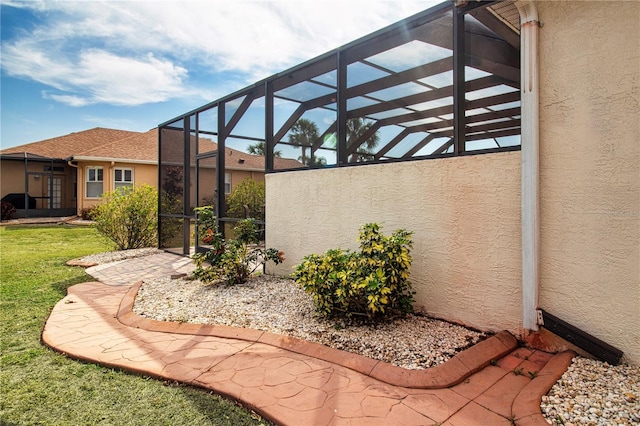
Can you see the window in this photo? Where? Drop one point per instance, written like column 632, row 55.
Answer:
column 122, row 178
column 227, row 183
column 94, row 182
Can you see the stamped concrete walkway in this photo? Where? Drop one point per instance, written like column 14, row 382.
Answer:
column 293, row 382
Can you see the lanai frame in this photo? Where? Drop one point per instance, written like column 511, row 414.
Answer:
column 444, row 82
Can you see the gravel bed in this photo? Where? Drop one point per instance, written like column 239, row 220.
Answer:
column 114, row 256
column 594, row 393
column 278, row 305
column 589, row 393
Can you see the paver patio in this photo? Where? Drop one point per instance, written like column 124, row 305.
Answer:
column 290, row 381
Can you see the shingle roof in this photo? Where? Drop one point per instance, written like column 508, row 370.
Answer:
column 122, row 145
column 68, row 145
column 136, row 146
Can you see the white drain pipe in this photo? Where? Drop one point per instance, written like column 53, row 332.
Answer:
column 529, row 25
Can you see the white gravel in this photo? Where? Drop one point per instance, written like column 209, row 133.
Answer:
column 114, row 256
column 589, row 393
column 594, row 393
column 279, row 306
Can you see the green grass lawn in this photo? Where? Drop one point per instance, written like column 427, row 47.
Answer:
column 39, row 386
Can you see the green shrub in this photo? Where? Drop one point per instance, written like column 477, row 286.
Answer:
column 232, row 261
column 372, row 282
column 7, row 210
column 86, row 213
column 247, row 193
column 171, row 196
column 206, row 222
column 128, row 216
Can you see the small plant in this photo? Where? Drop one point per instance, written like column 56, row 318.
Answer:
column 171, row 197
column 7, row 210
column 533, row 374
column 128, row 216
column 247, row 193
column 233, row 261
column 372, row 282
column 518, row 371
column 86, row 213
column 206, row 221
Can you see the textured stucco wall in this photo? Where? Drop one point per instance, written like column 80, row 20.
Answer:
column 464, row 212
column 142, row 174
column 12, row 181
column 590, row 168
column 11, row 177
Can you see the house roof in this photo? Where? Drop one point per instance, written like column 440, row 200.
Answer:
column 63, row 147
column 102, row 144
column 135, row 147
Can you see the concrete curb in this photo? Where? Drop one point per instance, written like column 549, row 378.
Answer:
column 526, row 405
column 444, row 375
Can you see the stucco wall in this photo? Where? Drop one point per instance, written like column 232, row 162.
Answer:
column 237, row 176
column 590, row 168
column 12, row 175
column 464, row 212
column 142, row 174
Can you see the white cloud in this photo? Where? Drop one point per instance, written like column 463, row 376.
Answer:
column 131, row 53
column 97, row 76
column 110, row 122
column 118, row 80
column 71, row 100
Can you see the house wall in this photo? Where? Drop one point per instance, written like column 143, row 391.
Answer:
column 590, row 168
column 142, row 174
column 464, row 212
column 148, row 174
column 12, row 178
column 207, row 182
column 237, row 176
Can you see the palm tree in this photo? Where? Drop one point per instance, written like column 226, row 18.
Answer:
column 259, row 149
column 304, row 133
column 356, row 127
column 317, row 161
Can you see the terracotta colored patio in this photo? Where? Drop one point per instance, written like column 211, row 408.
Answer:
column 294, row 382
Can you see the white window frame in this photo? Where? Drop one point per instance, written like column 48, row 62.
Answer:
column 122, row 183
column 227, row 182
column 97, row 171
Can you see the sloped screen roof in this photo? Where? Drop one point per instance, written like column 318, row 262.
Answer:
column 444, row 82
column 412, row 90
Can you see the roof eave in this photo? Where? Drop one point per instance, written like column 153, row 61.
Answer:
column 110, row 159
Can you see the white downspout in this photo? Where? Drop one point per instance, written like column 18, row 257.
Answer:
column 529, row 25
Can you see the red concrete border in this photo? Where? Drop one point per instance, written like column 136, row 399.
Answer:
column 526, row 405
column 444, row 375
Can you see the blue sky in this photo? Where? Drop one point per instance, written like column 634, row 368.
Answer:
column 68, row 66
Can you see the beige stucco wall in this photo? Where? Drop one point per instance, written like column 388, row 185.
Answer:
column 590, row 168
column 237, row 176
column 464, row 212
column 11, row 177
column 12, row 180
column 148, row 174
column 142, row 174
